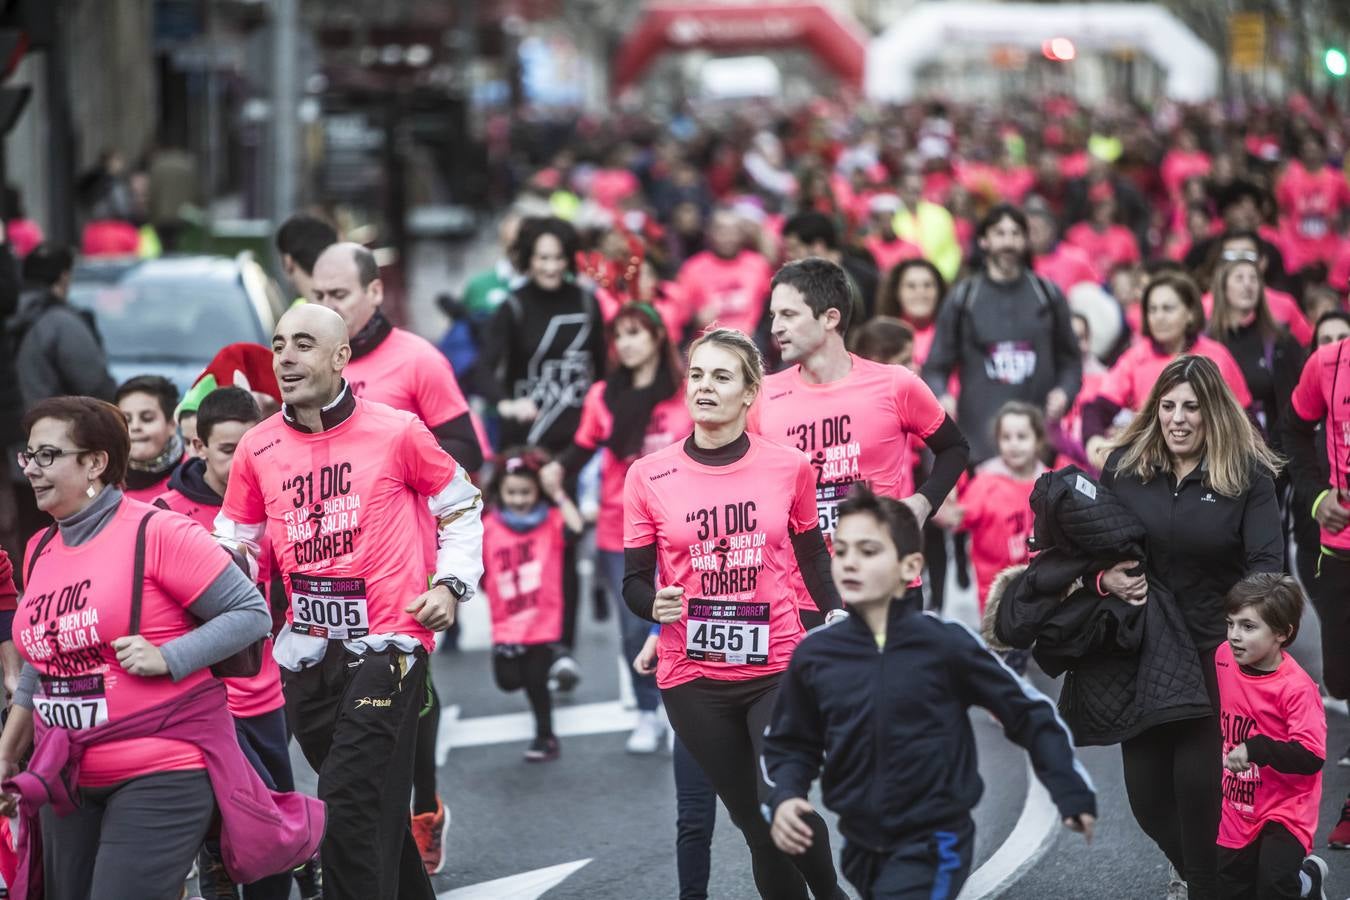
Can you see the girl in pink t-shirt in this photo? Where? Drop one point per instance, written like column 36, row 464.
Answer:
column 995, row 505
column 1274, row 744
column 524, row 535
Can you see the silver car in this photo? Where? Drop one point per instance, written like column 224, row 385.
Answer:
column 170, row 316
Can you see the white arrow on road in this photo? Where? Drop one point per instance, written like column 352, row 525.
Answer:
column 525, row 886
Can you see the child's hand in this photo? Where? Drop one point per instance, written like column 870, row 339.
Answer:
column 551, row 479
column 1237, row 760
column 645, row 662
column 669, row 605
column 1083, row 824
column 789, row 832
column 949, row 514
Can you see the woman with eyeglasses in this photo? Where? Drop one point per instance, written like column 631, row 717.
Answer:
column 127, row 684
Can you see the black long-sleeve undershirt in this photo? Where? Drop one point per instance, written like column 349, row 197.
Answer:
column 813, row 558
column 951, row 452
column 1300, row 445
column 1289, row 757
column 458, row 438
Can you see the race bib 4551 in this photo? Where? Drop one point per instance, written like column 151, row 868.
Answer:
column 724, row 632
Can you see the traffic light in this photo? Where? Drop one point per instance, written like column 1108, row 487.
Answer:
column 1059, row 49
column 1336, row 63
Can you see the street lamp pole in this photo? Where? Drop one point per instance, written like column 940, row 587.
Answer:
column 285, row 103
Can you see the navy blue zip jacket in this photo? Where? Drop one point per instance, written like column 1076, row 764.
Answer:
column 892, row 727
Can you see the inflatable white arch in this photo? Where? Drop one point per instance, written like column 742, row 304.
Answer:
column 895, row 56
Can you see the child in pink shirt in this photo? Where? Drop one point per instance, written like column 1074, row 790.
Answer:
column 995, row 504
column 1274, row 744
column 524, row 536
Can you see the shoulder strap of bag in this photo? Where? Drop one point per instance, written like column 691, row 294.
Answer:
column 138, row 575
column 37, row 551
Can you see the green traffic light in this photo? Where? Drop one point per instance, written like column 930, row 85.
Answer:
column 1336, row 63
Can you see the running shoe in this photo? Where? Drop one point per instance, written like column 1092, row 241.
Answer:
column 1176, row 888
column 429, row 831
column 646, row 737
column 564, row 673
column 1316, row 870
column 542, row 750
column 1340, row 835
column 213, row 882
column 309, row 879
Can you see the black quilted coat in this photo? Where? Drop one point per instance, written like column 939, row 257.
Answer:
column 1128, row 667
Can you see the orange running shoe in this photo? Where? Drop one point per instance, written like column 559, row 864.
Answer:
column 429, row 831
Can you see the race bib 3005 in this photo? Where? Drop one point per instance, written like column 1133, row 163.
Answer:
column 333, row 608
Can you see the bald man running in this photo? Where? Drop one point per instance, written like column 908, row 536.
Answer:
column 336, row 482
column 398, row 368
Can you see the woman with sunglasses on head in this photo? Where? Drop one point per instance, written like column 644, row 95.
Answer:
column 1245, row 246
column 147, row 743
column 1268, row 355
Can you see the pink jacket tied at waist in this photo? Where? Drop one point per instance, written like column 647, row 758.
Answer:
column 262, row 832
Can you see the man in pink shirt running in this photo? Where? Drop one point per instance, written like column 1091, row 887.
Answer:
column 854, row 418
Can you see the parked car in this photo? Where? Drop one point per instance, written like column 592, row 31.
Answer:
column 169, row 316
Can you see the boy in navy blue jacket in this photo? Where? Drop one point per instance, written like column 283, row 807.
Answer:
column 882, row 697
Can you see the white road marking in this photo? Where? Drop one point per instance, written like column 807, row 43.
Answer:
column 568, row 721
column 1029, row 839
column 449, row 716
column 525, row 886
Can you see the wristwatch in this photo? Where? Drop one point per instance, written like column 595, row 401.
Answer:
column 458, row 589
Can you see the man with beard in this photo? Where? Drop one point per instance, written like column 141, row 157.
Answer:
column 1007, row 334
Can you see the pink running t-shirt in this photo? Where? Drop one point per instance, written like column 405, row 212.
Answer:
column 1067, row 266
column 522, row 574
column 669, row 424
column 342, row 507
column 1323, row 393
column 78, row 602
column 1129, row 381
column 407, row 372
column 147, row 495
column 1310, row 204
column 856, row 429
column 255, row 695
column 723, row 533
column 733, row 292
column 1107, row 249
column 1284, row 705
column 998, row 516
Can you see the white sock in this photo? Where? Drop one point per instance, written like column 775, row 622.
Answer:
column 1304, row 884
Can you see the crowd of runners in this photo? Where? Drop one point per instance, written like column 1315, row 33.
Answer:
column 791, row 370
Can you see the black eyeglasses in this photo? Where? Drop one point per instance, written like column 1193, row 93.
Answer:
column 45, row 456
